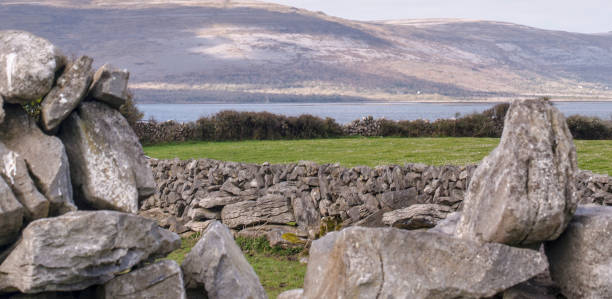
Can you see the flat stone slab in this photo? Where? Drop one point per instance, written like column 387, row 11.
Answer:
column 80, row 249
column 360, row 262
column 162, row 280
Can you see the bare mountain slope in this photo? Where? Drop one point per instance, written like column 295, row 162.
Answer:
column 185, row 51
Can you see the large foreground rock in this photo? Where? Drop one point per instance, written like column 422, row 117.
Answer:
column 162, row 280
column 361, row 262
column 526, row 185
column 581, row 259
column 11, row 215
column 108, row 166
column 81, row 249
column 28, row 67
column 216, row 268
column 44, row 155
column 110, row 85
column 70, row 89
column 14, row 171
column 270, row 209
column 416, row 216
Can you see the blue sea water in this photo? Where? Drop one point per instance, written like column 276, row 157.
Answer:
column 347, row 112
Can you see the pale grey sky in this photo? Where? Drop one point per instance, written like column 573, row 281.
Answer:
column 589, row 16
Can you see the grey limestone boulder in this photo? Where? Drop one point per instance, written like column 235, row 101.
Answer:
column 110, row 85
column 80, row 249
column 14, row 171
column 447, row 226
column 291, row 294
column 360, row 262
column 11, row 215
column 216, row 268
column 394, row 200
column 581, row 259
column 306, row 215
column 108, row 166
column 526, row 185
column 270, row 209
column 162, row 280
column 28, row 65
column 417, row 216
column 66, row 95
column 44, row 155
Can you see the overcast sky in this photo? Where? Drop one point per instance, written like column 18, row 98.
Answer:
column 589, row 16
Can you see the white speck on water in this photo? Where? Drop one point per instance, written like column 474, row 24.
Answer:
column 10, row 67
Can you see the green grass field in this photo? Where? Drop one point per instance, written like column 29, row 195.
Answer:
column 595, row 155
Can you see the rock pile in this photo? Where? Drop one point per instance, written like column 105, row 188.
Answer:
column 523, row 194
column 69, row 192
column 265, row 198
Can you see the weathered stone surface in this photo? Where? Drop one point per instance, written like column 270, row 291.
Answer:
column 360, row 262
column 448, row 226
column 526, row 185
column 291, row 294
column 162, row 280
column 417, row 216
column 399, row 199
column 110, row 85
column 45, row 157
column 67, row 94
column 271, row 209
column 581, row 259
column 15, row 173
column 1, row 109
column 198, row 226
column 108, row 166
column 80, row 249
column 218, row 269
column 28, row 65
column 306, row 215
column 215, row 199
column 199, row 214
column 11, row 215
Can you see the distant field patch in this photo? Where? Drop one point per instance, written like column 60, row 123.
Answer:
column 593, row 155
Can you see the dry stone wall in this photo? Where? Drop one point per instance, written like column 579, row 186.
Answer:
column 307, row 194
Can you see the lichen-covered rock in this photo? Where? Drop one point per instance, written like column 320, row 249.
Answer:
column 270, row 209
column 162, row 280
column 360, row 262
column 526, row 185
column 44, row 155
column 581, row 259
column 11, row 215
column 417, row 216
column 14, row 171
column 80, row 249
column 66, row 95
column 216, row 268
column 28, row 65
column 108, row 166
column 110, row 85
